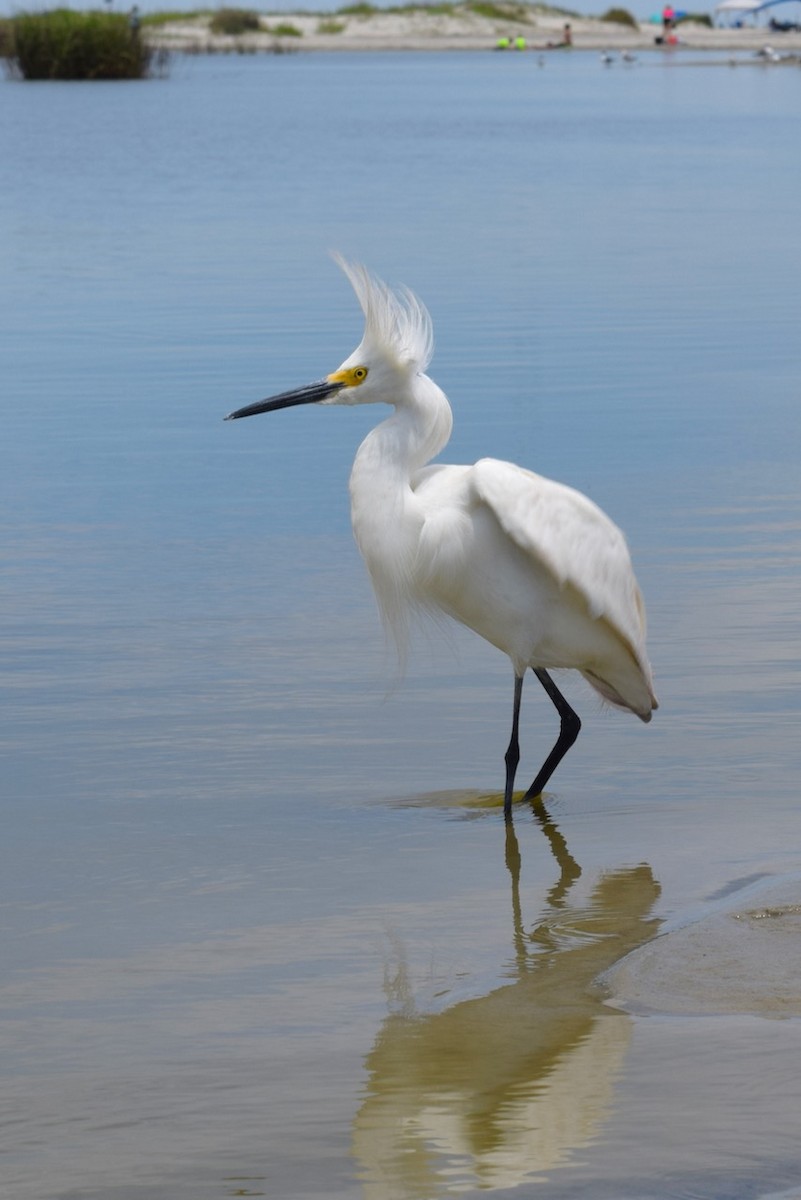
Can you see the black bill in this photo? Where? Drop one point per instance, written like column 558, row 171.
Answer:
column 312, row 393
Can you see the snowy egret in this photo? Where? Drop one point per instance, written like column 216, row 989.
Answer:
column 532, row 566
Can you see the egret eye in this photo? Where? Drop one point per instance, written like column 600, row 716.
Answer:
column 349, row 376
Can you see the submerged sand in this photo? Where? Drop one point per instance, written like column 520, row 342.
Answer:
column 742, row 958
column 458, row 29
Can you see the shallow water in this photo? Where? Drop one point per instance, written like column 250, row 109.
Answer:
column 262, row 930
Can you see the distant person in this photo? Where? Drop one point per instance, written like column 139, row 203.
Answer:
column 133, row 20
column 668, row 18
column 566, row 42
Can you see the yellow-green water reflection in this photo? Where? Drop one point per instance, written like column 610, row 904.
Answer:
column 504, row 1087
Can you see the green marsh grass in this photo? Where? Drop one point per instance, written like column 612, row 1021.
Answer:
column 235, row 21
column 619, row 16
column 63, row 44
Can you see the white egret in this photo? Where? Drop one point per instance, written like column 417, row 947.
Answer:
column 532, row 566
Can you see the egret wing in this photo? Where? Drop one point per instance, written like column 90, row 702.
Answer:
column 569, row 535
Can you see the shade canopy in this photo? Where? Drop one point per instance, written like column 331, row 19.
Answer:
column 747, row 6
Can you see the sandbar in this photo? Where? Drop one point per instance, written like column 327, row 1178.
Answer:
column 464, row 29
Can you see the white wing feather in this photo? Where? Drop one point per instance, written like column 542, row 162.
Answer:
column 571, row 537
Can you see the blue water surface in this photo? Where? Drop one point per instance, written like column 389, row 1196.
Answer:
column 232, row 853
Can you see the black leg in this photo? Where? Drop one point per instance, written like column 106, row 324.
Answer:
column 568, row 733
column 513, row 752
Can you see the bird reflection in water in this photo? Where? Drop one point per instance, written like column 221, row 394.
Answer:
column 502, row 1089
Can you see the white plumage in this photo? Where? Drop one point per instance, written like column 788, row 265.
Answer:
column 531, row 565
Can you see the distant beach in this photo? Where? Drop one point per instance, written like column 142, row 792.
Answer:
column 462, row 28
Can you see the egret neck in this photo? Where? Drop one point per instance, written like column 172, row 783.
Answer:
column 387, row 517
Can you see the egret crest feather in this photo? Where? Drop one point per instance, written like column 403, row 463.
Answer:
column 394, row 321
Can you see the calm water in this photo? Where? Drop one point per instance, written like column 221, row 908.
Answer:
column 260, row 934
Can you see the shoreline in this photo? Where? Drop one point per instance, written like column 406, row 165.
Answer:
column 461, row 30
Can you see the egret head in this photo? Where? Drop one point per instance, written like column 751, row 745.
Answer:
column 396, row 345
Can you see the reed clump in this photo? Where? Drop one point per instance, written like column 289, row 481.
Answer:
column 620, row 16
column 232, row 22
column 64, row 44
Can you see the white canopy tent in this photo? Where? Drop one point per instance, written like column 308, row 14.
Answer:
column 737, row 9
column 738, row 6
